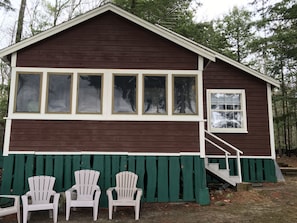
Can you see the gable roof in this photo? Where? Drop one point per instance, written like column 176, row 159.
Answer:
column 167, row 34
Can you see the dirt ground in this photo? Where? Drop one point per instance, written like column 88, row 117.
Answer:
column 269, row 202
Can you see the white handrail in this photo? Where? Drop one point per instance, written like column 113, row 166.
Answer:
column 227, row 153
column 226, row 143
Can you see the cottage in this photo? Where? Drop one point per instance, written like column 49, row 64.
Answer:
column 110, row 91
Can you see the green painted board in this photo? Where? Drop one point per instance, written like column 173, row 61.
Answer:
column 7, row 174
column 259, row 170
column 68, row 172
column 245, row 170
column 99, row 164
column 115, row 165
column 76, row 163
column 123, row 163
column 269, row 168
column 187, row 177
column 49, row 165
column 131, row 163
column 39, row 165
column 174, row 178
column 58, row 172
column 29, row 167
column 252, row 167
column 140, row 171
column 85, row 162
column 107, row 173
column 163, row 179
column 19, row 174
column 151, row 171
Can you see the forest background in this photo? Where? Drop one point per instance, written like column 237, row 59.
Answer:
column 262, row 36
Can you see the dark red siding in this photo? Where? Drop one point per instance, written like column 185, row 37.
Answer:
column 221, row 75
column 104, row 136
column 107, row 41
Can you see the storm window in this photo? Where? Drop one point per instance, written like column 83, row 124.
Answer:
column 124, row 94
column 59, row 93
column 154, row 96
column 185, row 95
column 28, row 93
column 226, row 110
column 89, row 94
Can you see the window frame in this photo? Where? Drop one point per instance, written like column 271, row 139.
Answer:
column 196, row 94
column 143, row 93
column 70, row 92
column 243, row 129
column 101, row 93
column 16, row 92
column 136, row 75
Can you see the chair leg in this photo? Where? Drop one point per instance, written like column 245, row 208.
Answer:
column 55, row 214
column 25, row 216
column 110, row 210
column 95, row 212
column 67, row 211
column 137, row 211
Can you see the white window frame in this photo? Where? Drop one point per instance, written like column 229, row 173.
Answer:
column 243, row 129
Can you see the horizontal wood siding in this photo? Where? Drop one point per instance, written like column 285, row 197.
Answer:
column 107, row 41
column 221, row 75
column 104, row 136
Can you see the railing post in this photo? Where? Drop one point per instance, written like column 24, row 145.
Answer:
column 227, row 162
column 238, row 165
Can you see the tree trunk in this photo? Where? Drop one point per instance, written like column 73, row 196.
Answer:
column 18, row 37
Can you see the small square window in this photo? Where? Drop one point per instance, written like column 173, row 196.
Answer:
column 226, row 111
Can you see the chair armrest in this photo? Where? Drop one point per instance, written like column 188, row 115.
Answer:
column 109, row 192
column 138, row 193
column 56, row 198
column 16, row 198
column 69, row 192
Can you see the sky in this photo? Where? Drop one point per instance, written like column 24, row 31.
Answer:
column 211, row 9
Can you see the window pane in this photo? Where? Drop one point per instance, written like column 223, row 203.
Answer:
column 226, row 119
column 59, row 93
column 185, row 100
column 154, row 95
column 124, row 94
column 28, row 93
column 89, row 94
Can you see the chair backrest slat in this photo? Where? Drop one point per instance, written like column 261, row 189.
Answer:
column 41, row 188
column 86, row 182
column 126, row 185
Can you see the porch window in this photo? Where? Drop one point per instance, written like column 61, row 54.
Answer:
column 28, row 93
column 154, row 94
column 124, row 94
column 185, row 95
column 89, row 94
column 226, row 111
column 58, row 94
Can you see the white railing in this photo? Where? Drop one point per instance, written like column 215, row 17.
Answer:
column 227, row 154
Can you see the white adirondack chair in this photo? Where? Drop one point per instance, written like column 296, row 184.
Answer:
column 85, row 192
column 41, row 196
column 12, row 209
column 126, row 193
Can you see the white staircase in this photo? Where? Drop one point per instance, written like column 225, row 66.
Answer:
column 222, row 173
column 214, row 167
